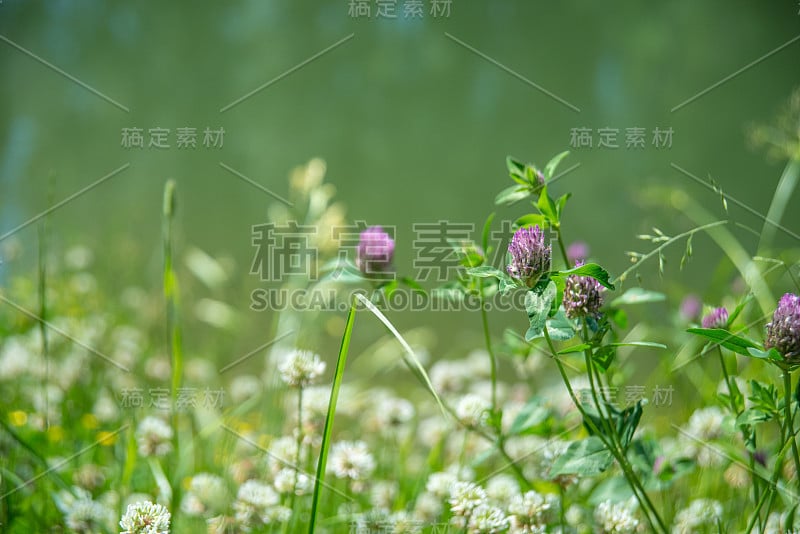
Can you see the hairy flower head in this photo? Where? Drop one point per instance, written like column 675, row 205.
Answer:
column 783, row 332
column 530, row 256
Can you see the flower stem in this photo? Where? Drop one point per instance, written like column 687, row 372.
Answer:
column 633, row 481
column 787, row 387
column 492, row 359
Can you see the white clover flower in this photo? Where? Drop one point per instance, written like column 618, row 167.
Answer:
column 705, row 424
column 276, row 514
column 244, row 387
column 16, row 359
column 472, row 410
column 207, row 494
column 351, row 459
column 737, row 476
column 432, row 430
column 105, row 408
column 501, row 489
column 615, row 518
column 439, row 483
column 300, row 368
column 383, row 493
column 486, row 519
column 529, row 511
column 285, row 482
column 699, row 512
column 465, row 497
column 78, row 257
column 153, row 437
column 428, row 507
column 392, row 413
column 252, row 502
column 283, row 453
column 448, row 376
column 403, row 523
column 145, row 517
column 84, row 515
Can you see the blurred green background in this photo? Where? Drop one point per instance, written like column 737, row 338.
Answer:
column 414, row 127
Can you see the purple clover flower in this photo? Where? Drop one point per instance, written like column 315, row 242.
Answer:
column 691, row 306
column 530, row 257
column 583, row 296
column 375, row 251
column 716, row 318
column 577, row 251
column 783, row 333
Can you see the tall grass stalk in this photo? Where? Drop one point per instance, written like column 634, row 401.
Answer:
column 328, row 429
column 174, row 342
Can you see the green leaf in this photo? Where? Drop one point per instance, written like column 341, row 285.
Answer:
column 637, row 295
column 486, row 271
column 591, row 270
column 546, row 206
column 512, row 194
column 739, row 308
column 619, row 317
column 771, row 354
column 574, row 348
column 515, row 168
column 487, row 227
column 638, row 344
column 532, row 219
column 507, row 284
column 560, row 203
column 587, row 457
column 552, row 165
column 537, row 303
column 603, row 356
column 530, row 419
column 413, row 284
column 629, row 420
column 752, row 416
column 737, row 344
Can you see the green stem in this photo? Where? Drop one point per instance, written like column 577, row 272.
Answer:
column 735, row 410
column 633, row 481
column 327, row 431
column 299, row 444
column 787, row 387
column 492, row 359
column 563, row 248
column 174, row 343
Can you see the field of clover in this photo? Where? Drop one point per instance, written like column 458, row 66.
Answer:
column 104, row 427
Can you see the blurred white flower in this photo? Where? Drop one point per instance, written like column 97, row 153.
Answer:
column 351, row 459
column 244, row 387
column 78, row 257
column 615, row 518
column 207, row 494
column 383, row 493
column 153, row 437
column 428, row 507
column 285, row 482
column 501, row 489
column 253, row 501
column 705, row 425
column 472, row 410
column 301, row 368
column 700, row 512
